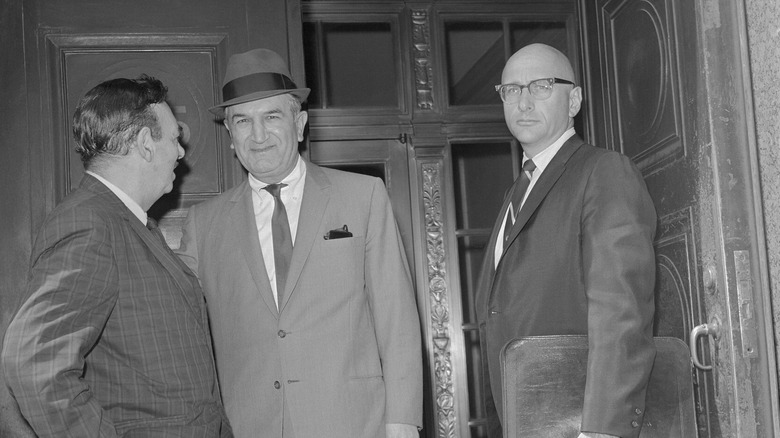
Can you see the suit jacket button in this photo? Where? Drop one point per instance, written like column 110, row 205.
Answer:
column 634, row 424
column 282, row 333
column 277, row 385
column 638, row 411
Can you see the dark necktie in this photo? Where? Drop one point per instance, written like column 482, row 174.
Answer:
column 517, row 197
column 151, row 224
column 283, row 245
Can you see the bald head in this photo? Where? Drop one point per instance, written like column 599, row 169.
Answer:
column 550, row 61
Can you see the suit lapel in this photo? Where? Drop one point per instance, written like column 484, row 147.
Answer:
column 241, row 217
column 488, row 270
column 181, row 274
column 551, row 174
column 316, row 194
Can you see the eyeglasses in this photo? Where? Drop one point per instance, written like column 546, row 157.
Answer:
column 540, row 89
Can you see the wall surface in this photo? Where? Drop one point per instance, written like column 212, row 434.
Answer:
column 15, row 234
column 764, row 42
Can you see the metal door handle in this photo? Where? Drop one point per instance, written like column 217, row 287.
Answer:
column 711, row 329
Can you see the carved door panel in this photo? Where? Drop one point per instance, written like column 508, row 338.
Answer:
column 667, row 91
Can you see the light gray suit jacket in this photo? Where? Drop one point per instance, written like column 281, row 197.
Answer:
column 342, row 355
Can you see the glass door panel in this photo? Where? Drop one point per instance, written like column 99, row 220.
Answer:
column 475, row 58
column 351, row 64
column 481, row 172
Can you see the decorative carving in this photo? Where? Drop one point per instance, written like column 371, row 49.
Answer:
column 440, row 309
column 422, row 58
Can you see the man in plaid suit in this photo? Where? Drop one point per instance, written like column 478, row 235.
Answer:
column 113, row 339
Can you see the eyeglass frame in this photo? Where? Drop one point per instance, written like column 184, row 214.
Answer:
column 550, row 82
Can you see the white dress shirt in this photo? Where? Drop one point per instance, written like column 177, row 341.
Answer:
column 263, row 204
column 541, row 160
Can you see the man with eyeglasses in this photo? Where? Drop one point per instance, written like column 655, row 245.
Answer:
column 571, row 251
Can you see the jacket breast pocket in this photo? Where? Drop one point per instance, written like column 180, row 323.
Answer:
column 339, row 262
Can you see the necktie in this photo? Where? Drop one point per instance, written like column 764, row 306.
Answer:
column 283, row 245
column 151, row 224
column 517, row 197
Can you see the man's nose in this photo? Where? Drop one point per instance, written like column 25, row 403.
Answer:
column 259, row 133
column 181, row 151
column 525, row 101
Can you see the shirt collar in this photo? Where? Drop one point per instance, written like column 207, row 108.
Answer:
column 543, row 158
column 124, row 197
column 292, row 179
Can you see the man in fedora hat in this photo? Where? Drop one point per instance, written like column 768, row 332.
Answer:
column 314, row 321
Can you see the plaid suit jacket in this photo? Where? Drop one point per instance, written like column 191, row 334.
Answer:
column 112, row 339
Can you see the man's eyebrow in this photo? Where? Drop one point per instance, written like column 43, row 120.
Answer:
column 275, row 110
column 237, row 116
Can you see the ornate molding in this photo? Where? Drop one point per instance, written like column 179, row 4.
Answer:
column 439, row 302
column 423, row 72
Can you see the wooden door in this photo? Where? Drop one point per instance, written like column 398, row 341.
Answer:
column 54, row 51
column 670, row 88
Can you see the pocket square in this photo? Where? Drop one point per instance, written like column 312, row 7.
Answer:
column 338, row 233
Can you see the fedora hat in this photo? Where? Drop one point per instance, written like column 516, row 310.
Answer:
column 254, row 75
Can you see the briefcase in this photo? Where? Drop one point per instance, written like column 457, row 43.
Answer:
column 544, row 387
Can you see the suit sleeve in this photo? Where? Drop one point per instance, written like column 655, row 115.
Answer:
column 618, row 226
column 71, row 292
column 397, row 324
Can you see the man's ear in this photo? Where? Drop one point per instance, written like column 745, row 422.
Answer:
column 300, row 123
column 144, row 144
column 575, row 101
column 227, row 126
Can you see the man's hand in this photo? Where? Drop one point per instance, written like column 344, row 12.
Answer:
column 398, row 430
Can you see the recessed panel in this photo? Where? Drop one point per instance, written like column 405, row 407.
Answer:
column 677, row 301
column 644, row 80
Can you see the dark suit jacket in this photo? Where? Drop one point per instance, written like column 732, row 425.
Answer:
column 342, row 356
column 113, row 338
column 580, row 260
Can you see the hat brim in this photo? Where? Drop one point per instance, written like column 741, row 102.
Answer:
column 219, row 109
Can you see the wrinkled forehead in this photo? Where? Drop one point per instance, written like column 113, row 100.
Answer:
column 529, row 64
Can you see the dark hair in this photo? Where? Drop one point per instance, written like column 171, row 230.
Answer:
column 111, row 114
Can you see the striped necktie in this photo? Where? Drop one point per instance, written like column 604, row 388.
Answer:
column 517, row 197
